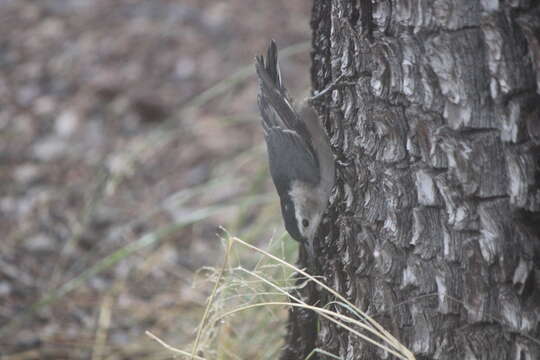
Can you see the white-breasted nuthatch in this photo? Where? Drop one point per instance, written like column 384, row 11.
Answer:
column 301, row 161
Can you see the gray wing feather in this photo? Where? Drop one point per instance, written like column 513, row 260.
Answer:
column 289, row 159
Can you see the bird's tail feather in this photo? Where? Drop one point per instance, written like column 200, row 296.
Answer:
column 275, row 106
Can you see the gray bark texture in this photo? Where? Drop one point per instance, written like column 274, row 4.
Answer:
column 434, row 229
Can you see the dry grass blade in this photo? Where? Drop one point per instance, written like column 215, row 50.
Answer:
column 171, row 348
column 210, row 300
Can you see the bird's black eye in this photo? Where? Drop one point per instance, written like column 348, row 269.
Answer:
column 305, row 223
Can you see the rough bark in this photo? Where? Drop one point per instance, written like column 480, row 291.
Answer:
column 435, row 225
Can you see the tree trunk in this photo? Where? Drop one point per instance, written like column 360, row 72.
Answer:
column 435, row 223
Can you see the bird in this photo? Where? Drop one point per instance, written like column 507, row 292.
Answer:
column 300, row 157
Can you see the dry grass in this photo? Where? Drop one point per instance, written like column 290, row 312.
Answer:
column 245, row 294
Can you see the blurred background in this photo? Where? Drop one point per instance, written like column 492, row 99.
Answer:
column 129, row 133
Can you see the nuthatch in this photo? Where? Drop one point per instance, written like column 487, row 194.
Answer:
column 299, row 153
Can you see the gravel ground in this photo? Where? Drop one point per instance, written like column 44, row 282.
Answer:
column 104, row 139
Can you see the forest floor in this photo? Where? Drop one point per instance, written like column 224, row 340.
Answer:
column 129, row 133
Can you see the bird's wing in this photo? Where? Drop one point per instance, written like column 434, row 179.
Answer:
column 289, row 159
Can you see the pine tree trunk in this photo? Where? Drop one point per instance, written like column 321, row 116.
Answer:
column 435, row 226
